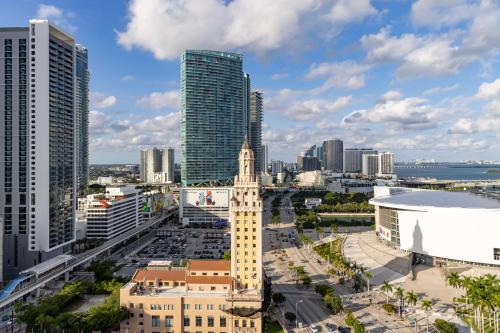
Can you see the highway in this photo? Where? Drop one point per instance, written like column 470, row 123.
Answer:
column 83, row 258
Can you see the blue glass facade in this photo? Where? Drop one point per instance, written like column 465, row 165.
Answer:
column 214, row 115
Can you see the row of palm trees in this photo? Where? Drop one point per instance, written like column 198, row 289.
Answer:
column 483, row 295
column 410, row 297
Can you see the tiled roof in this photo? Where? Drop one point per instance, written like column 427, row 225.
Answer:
column 209, row 279
column 209, row 265
column 150, row 275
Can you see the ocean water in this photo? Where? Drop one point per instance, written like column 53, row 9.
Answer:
column 450, row 173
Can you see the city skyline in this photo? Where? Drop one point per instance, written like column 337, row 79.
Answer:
column 342, row 79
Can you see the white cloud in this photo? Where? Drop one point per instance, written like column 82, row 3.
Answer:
column 48, row 12
column 489, row 90
column 135, row 132
column 440, row 90
column 346, row 74
column 257, row 26
column 442, row 53
column 348, row 10
column 462, row 126
column 314, row 108
column 57, row 15
column 101, row 101
column 389, row 96
column 278, row 76
column 443, row 12
column 128, row 78
column 160, row 100
column 397, row 113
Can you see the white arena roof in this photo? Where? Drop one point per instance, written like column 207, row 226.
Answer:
column 440, row 199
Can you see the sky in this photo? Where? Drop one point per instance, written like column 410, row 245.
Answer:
column 418, row 78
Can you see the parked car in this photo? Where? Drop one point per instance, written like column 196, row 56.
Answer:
column 315, row 328
column 331, row 327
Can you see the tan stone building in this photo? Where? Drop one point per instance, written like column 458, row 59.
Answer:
column 207, row 296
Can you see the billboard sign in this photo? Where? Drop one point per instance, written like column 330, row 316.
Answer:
column 206, row 197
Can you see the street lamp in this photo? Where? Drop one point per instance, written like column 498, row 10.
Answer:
column 296, row 305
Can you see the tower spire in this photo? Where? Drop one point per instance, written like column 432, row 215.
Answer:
column 245, row 143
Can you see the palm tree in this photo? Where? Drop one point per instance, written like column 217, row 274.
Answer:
column 466, row 283
column 319, row 231
column 399, row 293
column 454, row 280
column 387, row 288
column 411, row 298
column 427, row 306
column 368, row 275
column 334, row 228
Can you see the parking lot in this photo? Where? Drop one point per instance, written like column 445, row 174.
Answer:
column 175, row 245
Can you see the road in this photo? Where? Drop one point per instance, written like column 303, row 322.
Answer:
column 310, row 309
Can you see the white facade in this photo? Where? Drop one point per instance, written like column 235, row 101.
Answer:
column 311, row 203
column 385, row 164
column 112, row 213
column 40, row 154
column 157, row 166
column 311, row 179
column 456, row 226
column 105, row 180
column 266, row 179
column 203, row 206
column 370, row 165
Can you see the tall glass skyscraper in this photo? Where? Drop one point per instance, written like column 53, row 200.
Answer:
column 82, row 117
column 213, row 115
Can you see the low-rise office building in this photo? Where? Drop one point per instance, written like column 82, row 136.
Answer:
column 439, row 226
column 197, row 298
column 107, row 215
column 204, row 206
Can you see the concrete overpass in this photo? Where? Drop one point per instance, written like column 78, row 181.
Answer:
column 83, row 258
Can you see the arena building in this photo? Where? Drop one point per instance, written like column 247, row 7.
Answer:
column 439, row 226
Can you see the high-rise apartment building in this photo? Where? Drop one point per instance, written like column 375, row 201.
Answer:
column 333, row 155
column 353, row 159
column 385, row 164
column 247, row 129
column 212, row 116
column 207, row 295
column 245, row 216
column 157, row 165
column 38, row 150
column 82, row 77
column 370, row 165
column 255, row 137
column 265, row 158
column 277, row 167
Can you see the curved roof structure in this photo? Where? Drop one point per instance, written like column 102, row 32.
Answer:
column 420, row 199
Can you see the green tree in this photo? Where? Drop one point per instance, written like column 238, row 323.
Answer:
column 453, row 280
column 333, row 302
column 426, row 306
column 227, row 255
column 411, row 298
column 290, row 316
column 368, row 276
column 278, row 298
column 387, row 288
column 399, row 293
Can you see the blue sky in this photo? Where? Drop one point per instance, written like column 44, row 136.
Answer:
column 417, row 78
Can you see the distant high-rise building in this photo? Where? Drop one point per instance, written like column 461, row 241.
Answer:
column 310, row 163
column 385, row 163
column 247, row 130
column 265, row 158
column 318, row 153
column 38, row 183
column 82, row 117
column 310, row 151
column 255, row 137
column 333, row 151
column 277, row 167
column 212, row 116
column 157, row 166
column 353, row 159
column 167, row 165
column 370, row 165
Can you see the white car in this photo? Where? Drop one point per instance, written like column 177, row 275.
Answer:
column 315, row 328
